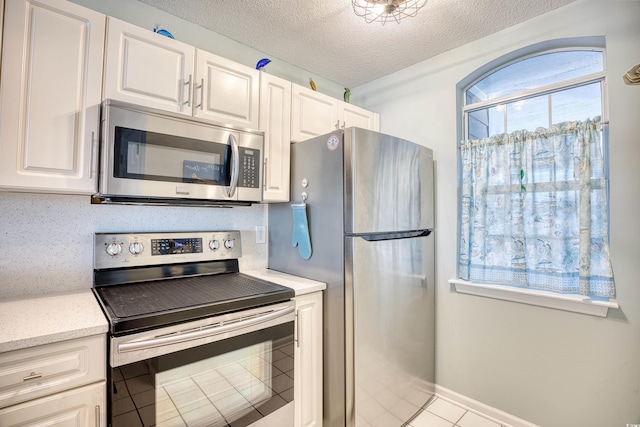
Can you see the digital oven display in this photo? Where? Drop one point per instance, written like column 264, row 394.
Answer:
column 176, row 246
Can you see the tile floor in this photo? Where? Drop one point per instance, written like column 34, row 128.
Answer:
column 441, row 413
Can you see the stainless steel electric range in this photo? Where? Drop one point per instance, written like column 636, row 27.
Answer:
column 192, row 340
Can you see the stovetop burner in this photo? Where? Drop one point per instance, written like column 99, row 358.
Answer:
column 142, row 293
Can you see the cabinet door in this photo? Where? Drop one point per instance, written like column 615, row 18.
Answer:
column 275, row 122
column 312, row 114
column 353, row 116
column 148, row 69
column 84, row 406
column 50, row 98
column 308, row 361
column 226, row 92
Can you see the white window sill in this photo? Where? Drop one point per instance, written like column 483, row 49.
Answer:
column 575, row 303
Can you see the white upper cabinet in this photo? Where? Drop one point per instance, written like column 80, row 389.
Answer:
column 226, row 92
column 50, row 96
column 353, row 116
column 146, row 68
column 314, row 114
column 275, row 122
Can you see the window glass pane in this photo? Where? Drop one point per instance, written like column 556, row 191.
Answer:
column 486, row 122
column 579, row 103
column 536, row 72
column 528, row 114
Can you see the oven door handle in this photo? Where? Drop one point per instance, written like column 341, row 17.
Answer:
column 202, row 333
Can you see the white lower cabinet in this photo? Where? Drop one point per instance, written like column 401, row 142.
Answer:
column 308, row 361
column 57, row 384
column 50, row 98
column 83, row 406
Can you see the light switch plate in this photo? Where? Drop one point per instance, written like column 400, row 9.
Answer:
column 261, row 234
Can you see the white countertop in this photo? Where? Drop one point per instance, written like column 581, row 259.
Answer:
column 299, row 284
column 34, row 321
column 41, row 320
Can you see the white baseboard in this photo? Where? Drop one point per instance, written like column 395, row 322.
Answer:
column 486, row 411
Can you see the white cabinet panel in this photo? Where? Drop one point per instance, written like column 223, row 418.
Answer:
column 37, row 371
column 312, row 114
column 226, row 92
column 354, row 116
column 51, row 91
column 80, row 407
column 146, row 68
column 308, row 361
column 275, row 122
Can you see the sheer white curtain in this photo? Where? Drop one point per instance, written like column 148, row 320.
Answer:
column 534, row 210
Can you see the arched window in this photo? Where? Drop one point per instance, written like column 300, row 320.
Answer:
column 534, row 175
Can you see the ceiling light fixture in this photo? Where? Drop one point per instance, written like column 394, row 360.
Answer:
column 384, row 10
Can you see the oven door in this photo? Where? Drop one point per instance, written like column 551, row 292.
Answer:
column 152, row 154
column 230, row 370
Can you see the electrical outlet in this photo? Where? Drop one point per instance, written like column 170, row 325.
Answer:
column 260, row 234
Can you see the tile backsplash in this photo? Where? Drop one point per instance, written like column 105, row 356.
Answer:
column 46, row 240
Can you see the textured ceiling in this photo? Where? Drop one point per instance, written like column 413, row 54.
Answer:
column 326, row 38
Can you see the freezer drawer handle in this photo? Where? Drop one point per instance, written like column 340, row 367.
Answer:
column 394, row 236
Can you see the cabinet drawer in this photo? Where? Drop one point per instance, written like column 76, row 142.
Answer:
column 38, row 371
column 84, row 406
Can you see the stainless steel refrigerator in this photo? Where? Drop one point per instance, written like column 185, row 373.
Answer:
column 369, row 209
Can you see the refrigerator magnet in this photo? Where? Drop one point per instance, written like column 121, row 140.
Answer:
column 333, row 142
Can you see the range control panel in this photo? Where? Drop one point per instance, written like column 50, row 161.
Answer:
column 119, row 250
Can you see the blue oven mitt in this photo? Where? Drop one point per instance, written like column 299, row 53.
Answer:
column 300, row 236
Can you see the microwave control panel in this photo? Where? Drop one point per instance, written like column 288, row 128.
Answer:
column 249, row 173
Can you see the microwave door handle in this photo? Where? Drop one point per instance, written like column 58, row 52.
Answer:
column 235, row 165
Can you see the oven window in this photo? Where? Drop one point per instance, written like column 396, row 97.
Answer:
column 159, row 157
column 234, row 382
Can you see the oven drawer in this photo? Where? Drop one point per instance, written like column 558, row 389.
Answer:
column 39, row 371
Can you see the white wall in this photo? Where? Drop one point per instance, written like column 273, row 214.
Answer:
column 550, row 367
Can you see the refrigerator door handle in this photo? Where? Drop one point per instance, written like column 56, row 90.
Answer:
column 375, row 237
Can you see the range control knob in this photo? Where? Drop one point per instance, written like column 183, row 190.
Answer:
column 113, row 249
column 228, row 244
column 136, row 248
column 214, row 244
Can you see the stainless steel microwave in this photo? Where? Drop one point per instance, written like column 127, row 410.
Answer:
column 149, row 156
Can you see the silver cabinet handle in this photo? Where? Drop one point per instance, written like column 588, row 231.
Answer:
column 189, row 91
column 338, row 124
column 93, row 162
column 201, row 87
column 264, row 175
column 32, row 376
column 201, row 333
column 235, row 165
column 97, row 414
column 297, row 330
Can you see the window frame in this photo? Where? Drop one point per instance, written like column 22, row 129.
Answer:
column 568, row 302
column 543, row 90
